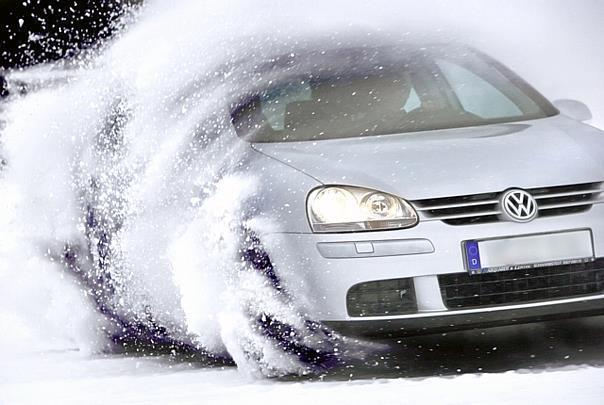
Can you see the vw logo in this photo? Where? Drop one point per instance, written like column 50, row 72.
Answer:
column 519, row 206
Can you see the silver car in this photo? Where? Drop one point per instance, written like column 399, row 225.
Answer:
column 423, row 189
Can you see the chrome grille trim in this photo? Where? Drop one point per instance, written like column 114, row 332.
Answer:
column 485, row 208
column 463, row 216
column 458, row 205
column 568, row 194
column 576, row 204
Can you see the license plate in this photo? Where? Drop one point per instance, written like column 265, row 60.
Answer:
column 525, row 252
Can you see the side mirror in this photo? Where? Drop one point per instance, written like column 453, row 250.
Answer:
column 574, row 109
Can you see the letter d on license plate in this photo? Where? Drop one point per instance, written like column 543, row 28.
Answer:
column 473, row 256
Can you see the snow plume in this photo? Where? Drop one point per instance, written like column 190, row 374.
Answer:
column 125, row 200
column 41, row 305
column 123, row 197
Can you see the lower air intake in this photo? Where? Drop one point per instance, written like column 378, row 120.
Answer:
column 382, row 298
column 461, row 290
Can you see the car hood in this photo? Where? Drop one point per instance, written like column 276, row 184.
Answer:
column 540, row 153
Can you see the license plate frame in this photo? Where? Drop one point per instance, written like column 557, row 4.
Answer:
column 580, row 240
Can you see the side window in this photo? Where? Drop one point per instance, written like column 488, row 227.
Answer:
column 413, row 102
column 476, row 95
column 274, row 103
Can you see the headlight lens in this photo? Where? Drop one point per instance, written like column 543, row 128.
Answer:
column 354, row 209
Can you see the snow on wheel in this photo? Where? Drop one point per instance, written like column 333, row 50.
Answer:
column 266, row 332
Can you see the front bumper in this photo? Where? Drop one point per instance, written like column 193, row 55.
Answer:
column 321, row 279
column 450, row 321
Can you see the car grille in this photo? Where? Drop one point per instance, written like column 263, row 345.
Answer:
column 382, row 298
column 461, row 290
column 485, row 208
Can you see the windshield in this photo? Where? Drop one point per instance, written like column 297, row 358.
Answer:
column 428, row 90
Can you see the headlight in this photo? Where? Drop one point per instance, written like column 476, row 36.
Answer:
column 354, row 209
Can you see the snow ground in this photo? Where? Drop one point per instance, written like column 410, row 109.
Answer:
column 64, row 378
column 553, row 363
